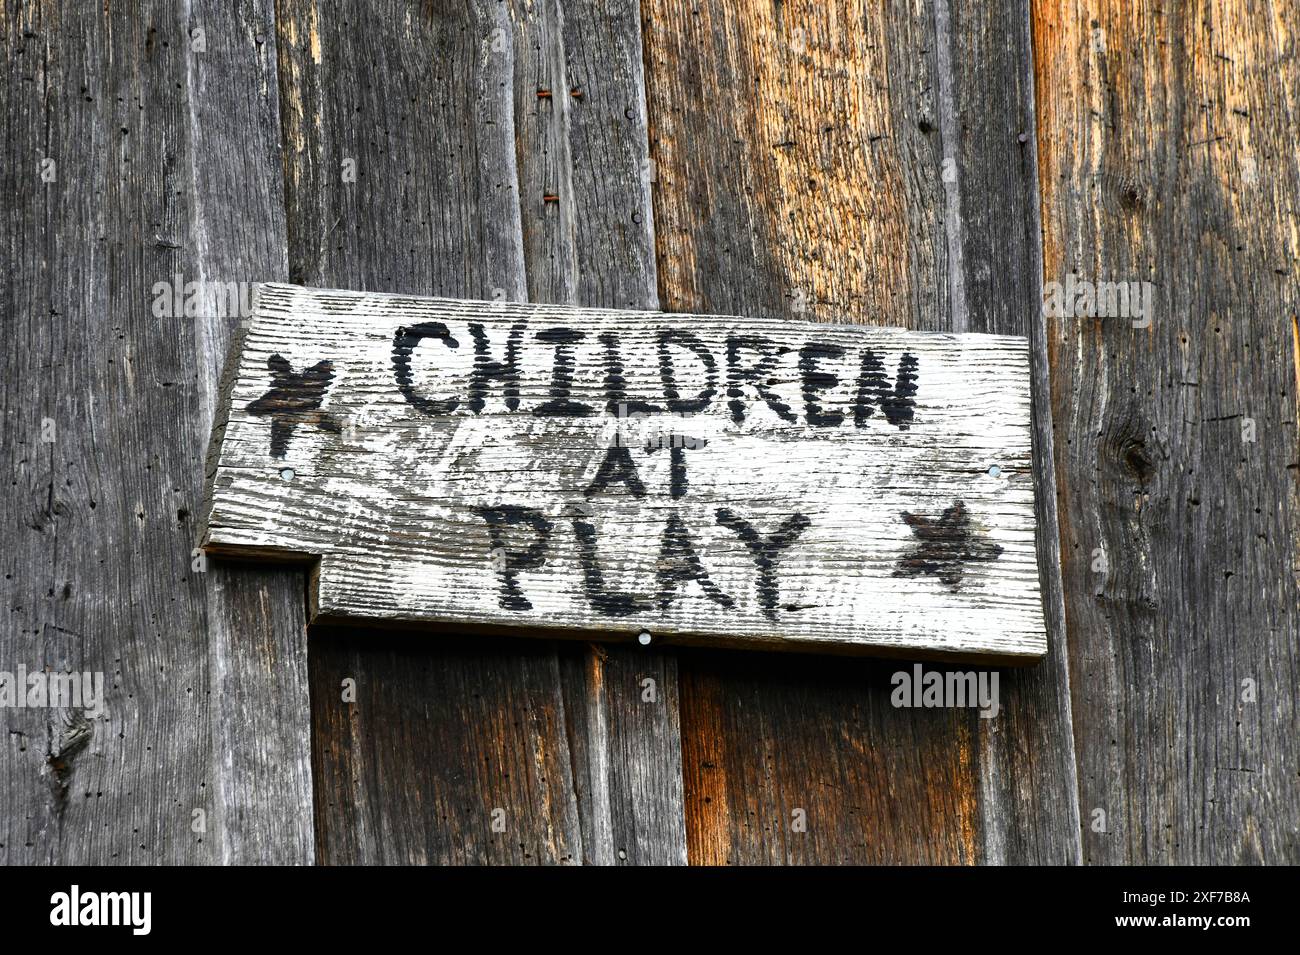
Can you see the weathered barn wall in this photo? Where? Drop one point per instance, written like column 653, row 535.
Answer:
column 926, row 166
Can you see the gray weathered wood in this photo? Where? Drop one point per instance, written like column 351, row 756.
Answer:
column 102, row 497
column 77, row 789
column 872, row 173
column 257, row 633
column 800, row 171
column 424, row 103
column 589, row 240
column 441, row 735
column 1167, row 139
column 813, row 507
column 164, row 164
column 1028, row 793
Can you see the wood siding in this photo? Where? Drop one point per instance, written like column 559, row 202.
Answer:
column 928, row 165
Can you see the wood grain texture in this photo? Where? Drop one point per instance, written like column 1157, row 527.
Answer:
column 583, row 162
column 1028, row 796
column 424, row 100
column 800, row 171
column 811, row 509
column 152, row 177
column 1167, row 141
column 256, row 622
column 400, row 175
column 843, row 162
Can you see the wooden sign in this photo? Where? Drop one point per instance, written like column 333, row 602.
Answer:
column 700, row 478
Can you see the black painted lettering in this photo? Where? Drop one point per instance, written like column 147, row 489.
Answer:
column 404, row 342
column 816, row 381
column 487, row 370
column 616, row 399
column 560, row 404
column 604, row 601
column 739, row 374
column 679, row 564
column 874, row 391
column 765, row 553
column 617, row 467
column 509, row 562
column 669, row 337
column 678, row 445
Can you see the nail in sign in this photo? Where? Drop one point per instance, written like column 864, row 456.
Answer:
column 706, row 479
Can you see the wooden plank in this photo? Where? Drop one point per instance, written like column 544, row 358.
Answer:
column 588, row 232
column 97, row 564
column 1029, row 811
column 193, row 760
column 812, row 160
column 91, row 494
column 455, row 755
column 1167, row 141
column 856, row 489
column 400, row 176
column 256, row 624
column 422, row 103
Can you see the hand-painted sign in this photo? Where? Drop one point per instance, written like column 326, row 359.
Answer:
column 708, row 479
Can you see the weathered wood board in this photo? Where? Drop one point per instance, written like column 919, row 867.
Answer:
column 808, row 171
column 1168, row 146
column 703, row 478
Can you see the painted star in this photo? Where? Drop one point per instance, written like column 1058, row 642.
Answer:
column 294, row 399
column 946, row 544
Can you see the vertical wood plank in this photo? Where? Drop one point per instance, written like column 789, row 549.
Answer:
column 594, row 775
column 152, row 178
column 1029, row 810
column 1167, row 142
column 453, row 753
column 97, row 556
column 797, row 155
column 453, row 750
column 261, row 709
column 817, row 160
column 584, row 194
column 783, row 174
